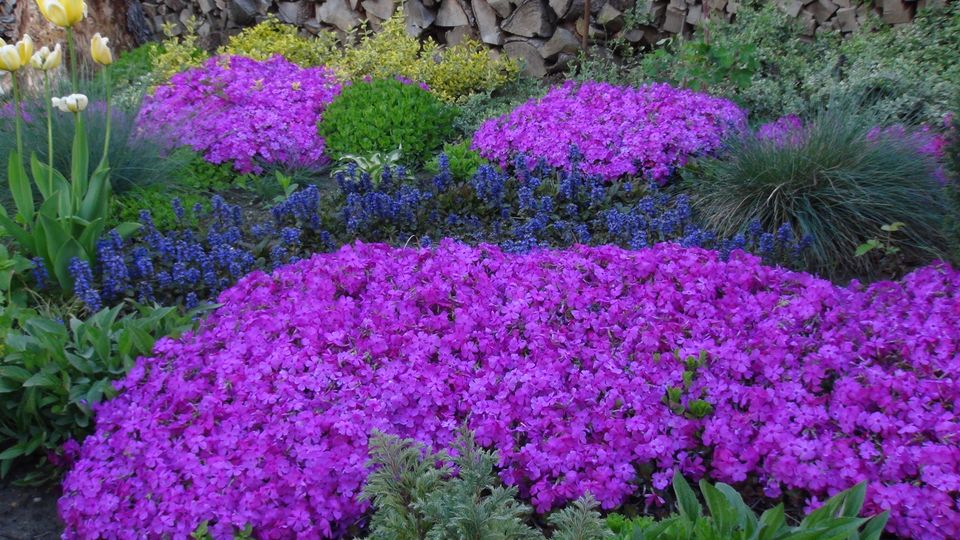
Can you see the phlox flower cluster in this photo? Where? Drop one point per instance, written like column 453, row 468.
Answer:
column 239, row 110
column 559, row 359
column 620, row 131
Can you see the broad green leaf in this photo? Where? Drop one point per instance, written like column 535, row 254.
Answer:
column 61, row 264
column 15, row 373
column 80, row 160
column 770, row 524
column 874, row 528
column 42, row 176
column 10, row 453
column 724, row 516
column 863, row 249
column 43, row 380
column 687, row 502
column 23, row 237
column 853, row 501
column 20, row 186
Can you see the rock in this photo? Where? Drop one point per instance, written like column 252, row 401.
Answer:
column 823, row 10
column 206, row 6
column 695, row 15
column 185, row 16
column 242, row 12
column 451, row 14
column 561, row 63
column 562, row 41
column 418, row 17
column 673, row 22
column 487, row 22
column 293, row 12
column 808, row 23
column 847, row 19
column 502, row 7
column 560, row 7
column 337, row 13
column 531, row 19
column 896, row 12
column 608, row 15
column 527, row 53
column 382, row 9
column 792, row 7
column 457, row 34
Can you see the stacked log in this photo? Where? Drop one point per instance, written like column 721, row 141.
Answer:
column 545, row 34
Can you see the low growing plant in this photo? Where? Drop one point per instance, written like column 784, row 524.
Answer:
column 382, row 115
column 54, row 372
column 461, row 160
column 414, row 498
column 730, row 518
column 244, row 112
column 550, row 357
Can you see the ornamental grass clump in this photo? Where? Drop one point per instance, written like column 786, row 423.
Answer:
column 592, row 369
column 837, row 179
column 243, row 111
column 620, row 131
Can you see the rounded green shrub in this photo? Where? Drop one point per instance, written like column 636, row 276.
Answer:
column 383, row 115
column 838, row 180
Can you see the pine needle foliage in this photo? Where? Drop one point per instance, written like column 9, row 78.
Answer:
column 421, row 495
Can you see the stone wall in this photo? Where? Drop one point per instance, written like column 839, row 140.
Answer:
column 545, row 33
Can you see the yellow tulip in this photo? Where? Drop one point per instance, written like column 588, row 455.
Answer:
column 25, row 49
column 73, row 103
column 100, row 51
column 63, row 13
column 45, row 59
column 9, row 58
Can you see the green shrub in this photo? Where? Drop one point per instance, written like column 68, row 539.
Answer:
column 453, row 73
column 461, row 160
column 909, row 73
column 272, row 37
column 132, row 74
column 731, row 519
column 479, row 107
column 836, row 181
column 54, row 372
column 383, row 115
column 415, row 498
column 177, row 53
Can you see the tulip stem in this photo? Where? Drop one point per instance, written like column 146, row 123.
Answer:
column 106, row 138
column 73, row 60
column 17, row 112
column 46, row 93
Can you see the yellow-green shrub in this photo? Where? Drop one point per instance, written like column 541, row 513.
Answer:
column 453, row 73
column 384, row 54
column 468, row 68
column 176, row 54
column 272, row 37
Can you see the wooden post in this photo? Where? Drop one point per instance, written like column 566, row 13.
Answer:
column 586, row 27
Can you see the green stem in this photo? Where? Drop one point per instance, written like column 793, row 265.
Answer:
column 17, row 112
column 46, row 92
column 106, row 138
column 73, row 60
